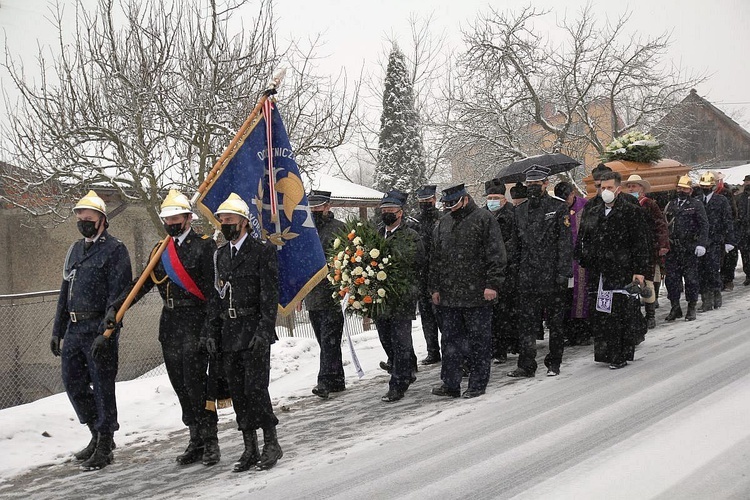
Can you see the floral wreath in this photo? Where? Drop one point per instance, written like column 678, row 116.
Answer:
column 633, row 146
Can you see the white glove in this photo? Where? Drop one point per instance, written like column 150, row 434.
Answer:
column 728, row 248
column 700, row 251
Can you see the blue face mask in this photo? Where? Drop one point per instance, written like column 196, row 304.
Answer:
column 494, row 205
column 637, row 195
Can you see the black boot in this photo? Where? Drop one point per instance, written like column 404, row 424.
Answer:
column 86, row 453
column 211, row 452
column 675, row 312
column 251, row 455
column 657, row 285
column 690, row 315
column 102, row 456
column 271, row 450
column 194, row 450
column 650, row 316
column 707, row 301
column 717, row 299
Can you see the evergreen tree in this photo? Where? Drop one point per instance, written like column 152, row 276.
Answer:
column 401, row 163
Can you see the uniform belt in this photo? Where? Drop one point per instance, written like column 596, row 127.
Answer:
column 236, row 312
column 175, row 303
column 76, row 316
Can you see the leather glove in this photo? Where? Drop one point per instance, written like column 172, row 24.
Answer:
column 257, row 345
column 54, row 345
column 101, row 347
column 700, row 251
column 110, row 319
column 211, row 346
column 728, row 248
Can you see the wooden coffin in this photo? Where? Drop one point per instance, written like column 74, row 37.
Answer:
column 663, row 175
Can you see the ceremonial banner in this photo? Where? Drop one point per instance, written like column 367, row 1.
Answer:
column 262, row 170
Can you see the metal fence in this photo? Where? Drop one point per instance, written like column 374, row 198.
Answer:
column 29, row 371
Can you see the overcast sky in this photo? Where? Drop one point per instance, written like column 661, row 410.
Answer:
column 711, row 36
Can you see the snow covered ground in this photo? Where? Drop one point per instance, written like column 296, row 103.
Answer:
column 673, row 424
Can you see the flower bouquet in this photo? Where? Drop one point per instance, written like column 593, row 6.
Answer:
column 364, row 265
column 633, row 146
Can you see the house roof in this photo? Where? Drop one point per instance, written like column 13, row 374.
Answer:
column 694, row 99
column 345, row 193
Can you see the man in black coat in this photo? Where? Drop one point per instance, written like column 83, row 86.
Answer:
column 325, row 312
column 504, row 329
column 96, row 270
column 241, row 325
column 428, row 217
column 743, row 227
column 688, row 238
column 542, row 246
column 720, row 239
column 181, row 323
column 614, row 246
column 466, row 273
column 394, row 323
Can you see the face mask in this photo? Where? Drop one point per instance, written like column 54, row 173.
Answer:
column 318, row 218
column 682, row 195
column 425, row 206
column 707, row 191
column 230, row 231
column 608, row 196
column 746, row 188
column 637, row 195
column 389, row 218
column 493, row 205
column 173, row 230
column 534, row 191
column 87, row 228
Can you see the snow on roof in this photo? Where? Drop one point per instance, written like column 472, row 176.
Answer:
column 731, row 175
column 343, row 191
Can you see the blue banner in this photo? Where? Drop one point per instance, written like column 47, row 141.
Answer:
column 302, row 263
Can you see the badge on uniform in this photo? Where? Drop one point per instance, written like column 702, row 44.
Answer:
column 603, row 298
column 566, row 220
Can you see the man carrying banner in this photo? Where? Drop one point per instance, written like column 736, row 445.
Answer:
column 185, row 279
column 96, row 270
column 325, row 313
column 241, row 324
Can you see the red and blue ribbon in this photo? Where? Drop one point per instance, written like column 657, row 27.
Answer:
column 176, row 271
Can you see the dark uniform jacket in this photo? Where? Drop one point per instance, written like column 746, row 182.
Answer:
column 687, row 223
column 506, row 218
column 251, row 295
column 92, row 281
column 468, row 255
column 196, row 253
column 542, row 245
column 743, row 215
column 720, row 221
column 406, row 245
column 427, row 220
column 614, row 246
column 320, row 297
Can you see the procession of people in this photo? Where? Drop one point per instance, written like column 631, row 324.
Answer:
column 488, row 282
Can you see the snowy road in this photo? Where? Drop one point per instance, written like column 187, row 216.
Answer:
column 673, row 424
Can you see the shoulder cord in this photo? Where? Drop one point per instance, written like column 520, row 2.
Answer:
column 221, row 289
column 153, row 276
column 68, row 275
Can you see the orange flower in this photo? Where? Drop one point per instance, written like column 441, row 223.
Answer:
column 351, row 300
column 359, row 252
column 337, row 277
column 374, row 264
column 367, row 299
column 353, row 260
column 359, row 281
column 350, row 236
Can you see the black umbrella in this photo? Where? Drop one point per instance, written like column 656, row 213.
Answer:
column 556, row 162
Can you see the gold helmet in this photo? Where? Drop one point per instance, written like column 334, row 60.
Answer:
column 234, row 205
column 708, row 179
column 685, row 182
column 175, row 203
column 92, row 202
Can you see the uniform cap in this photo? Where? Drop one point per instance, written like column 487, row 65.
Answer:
column 453, row 193
column 536, row 173
column 637, row 179
column 685, row 182
column 234, row 205
column 426, row 192
column 494, row 186
column 708, row 179
column 317, row 198
column 394, row 198
column 92, row 202
column 175, row 203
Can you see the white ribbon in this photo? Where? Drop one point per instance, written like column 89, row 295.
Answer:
column 355, row 359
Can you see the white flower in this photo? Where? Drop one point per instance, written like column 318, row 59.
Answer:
column 337, row 264
column 370, row 272
column 356, row 304
column 359, row 224
column 358, row 259
column 380, row 266
column 340, row 256
column 330, row 278
column 357, row 240
column 381, row 292
column 385, row 261
column 344, row 263
column 382, row 276
column 357, row 271
column 367, row 282
column 336, row 243
column 374, row 253
column 345, row 277
column 379, row 301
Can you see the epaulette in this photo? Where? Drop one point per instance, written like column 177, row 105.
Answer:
column 204, row 236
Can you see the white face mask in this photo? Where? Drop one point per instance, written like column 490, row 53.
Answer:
column 608, row 196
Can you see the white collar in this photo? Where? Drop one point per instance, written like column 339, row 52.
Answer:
column 181, row 238
column 239, row 243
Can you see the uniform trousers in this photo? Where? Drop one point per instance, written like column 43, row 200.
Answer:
column 248, row 377
column 532, row 308
column 467, row 335
column 395, row 336
column 328, row 326
column 682, row 264
column 710, row 268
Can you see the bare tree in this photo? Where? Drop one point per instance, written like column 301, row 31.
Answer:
column 147, row 95
column 519, row 94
